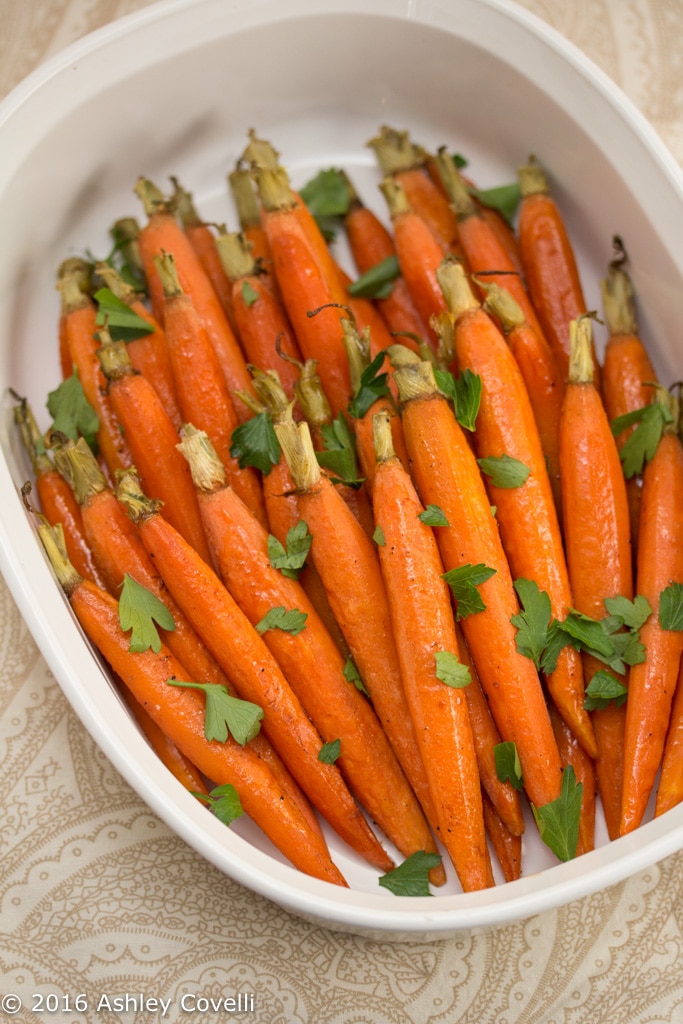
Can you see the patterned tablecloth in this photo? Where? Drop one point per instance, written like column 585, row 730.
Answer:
column 99, row 897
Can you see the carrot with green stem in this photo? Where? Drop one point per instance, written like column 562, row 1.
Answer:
column 180, row 712
column 248, row 210
column 81, row 269
column 659, row 579
column 423, row 626
column 628, row 376
column 255, row 674
column 306, row 653
column 163, row 233
column 152, row 439
column 148, row 351
column 261, row 321
column 511, row 456
column 597, row 545
column 203, row 394
column 447, row 476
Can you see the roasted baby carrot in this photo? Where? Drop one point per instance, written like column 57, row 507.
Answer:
column 203, row 394
column 163, row 233
column 184, row 771
column 309, row 658
column 152, row 439
column 597, row 539
column 506, row 433
column 248, row 210
column 506, row 844
column 81, row 269
column 180, row 712
column 652, row 682
column 670, row 785
column 253, row 671
column 447, row 475
column 424, row 630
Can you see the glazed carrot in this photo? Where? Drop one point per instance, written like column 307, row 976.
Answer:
column 261, row 321
column 148, row 354
column 348, row 565
column 419, row 254
column 371, row 243
column 80, row 324
column 180, row 713
column 572, row 753
column 249, row 215
column 597, row 540
column 627, row 373
column 203, row 241
column 307, row 280
column 81, row 269
column 163, row 233
column 483, row 250
column 57, row 501
column 507, row 845
column 185, row 772
column 407, row 164
column 309, row 658
column 550, row 268
column 203, row 394
column 423, row 627
column 447, row 475
column 652, row 682
column 152, row 439
column 525, row 511
column 542, row 376
column 670, row 786
column 253, row 671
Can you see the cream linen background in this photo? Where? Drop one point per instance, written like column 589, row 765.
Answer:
column 99, row 897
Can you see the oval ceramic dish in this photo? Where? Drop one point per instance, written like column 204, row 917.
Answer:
column 174, row 90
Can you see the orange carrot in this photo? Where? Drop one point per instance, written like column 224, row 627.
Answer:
column 424, row 630
column 310, row 660
column 253, row 671
column 507, row 845
column 670, row 786
column 202, row 392
column 180, row 713
column 652, row 682
column 525, row 510
column 249, row 215
column 447, row 475
column 163, row 233
column 597, row 539
column 628, row 375
column 148, row 354
column 81, row 269
column 152, row 439
column 185, row 772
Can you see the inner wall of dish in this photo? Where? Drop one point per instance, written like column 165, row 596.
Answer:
column 319, row 88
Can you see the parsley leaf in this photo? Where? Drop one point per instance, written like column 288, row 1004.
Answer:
column 604, row 689
column 378, row 281
column 451, row 671
column 326, row 195
column 504, row 471
column 508, row 765
column 642, row 444
column 558, row 821
column 533, row 621
column 633, row 614
column 71, row 412
column 255, row 443
column 290, row 558
column 249, row 294
column 433, row 516
column 378, row 536
column 465, row 393
column 503, row 198
column 139, row 610
column 122, row 322
column 463, row 582
column 329, row 752
column 373, row 385
column 224, row 802
column 411, row 878
column 671, row 607
column 226, row 715
column 352, row 675
column 292, row 621
column 339, row 454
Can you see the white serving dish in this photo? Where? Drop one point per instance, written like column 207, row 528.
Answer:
column 174, row 89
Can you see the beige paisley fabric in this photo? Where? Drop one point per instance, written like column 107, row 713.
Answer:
column 98, row 897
